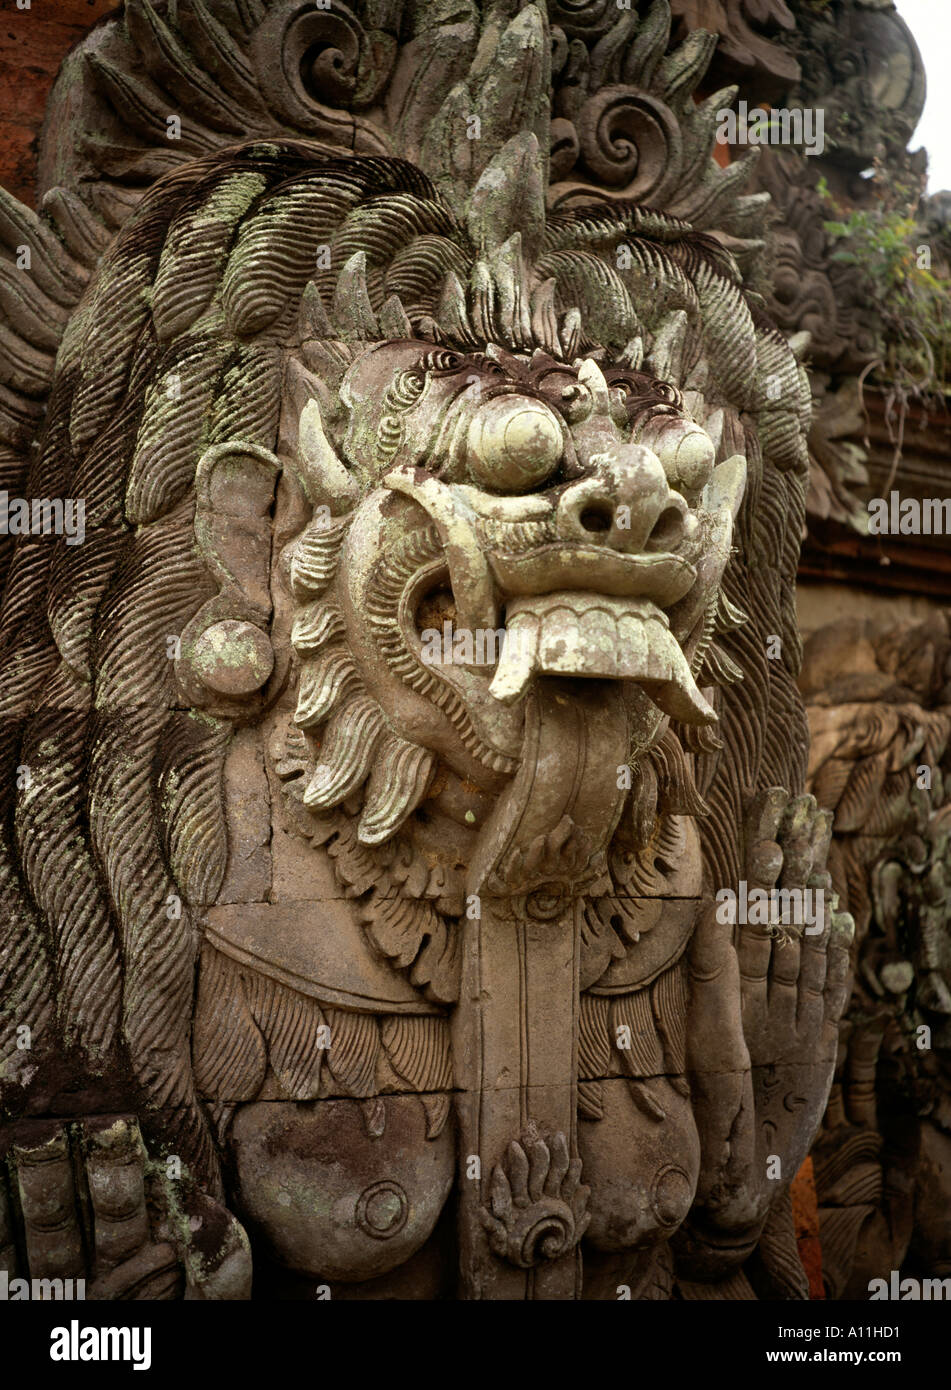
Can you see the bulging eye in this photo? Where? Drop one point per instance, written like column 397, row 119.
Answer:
column 686, row 451
column 514, row 443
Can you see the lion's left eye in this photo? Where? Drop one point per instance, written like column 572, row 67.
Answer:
column 686, row 451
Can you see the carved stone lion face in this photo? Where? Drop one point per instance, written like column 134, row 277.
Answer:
column 512, row 517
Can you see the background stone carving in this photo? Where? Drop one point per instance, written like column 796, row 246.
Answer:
column 879, row 702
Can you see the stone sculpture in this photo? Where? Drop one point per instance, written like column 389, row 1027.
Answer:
column 427, row 666
column 880, row 714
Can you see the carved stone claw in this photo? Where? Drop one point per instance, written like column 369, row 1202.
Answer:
column 536, row 1203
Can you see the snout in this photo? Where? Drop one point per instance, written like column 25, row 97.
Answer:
column 624, row 503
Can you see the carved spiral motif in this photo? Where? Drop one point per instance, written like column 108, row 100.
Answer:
column 545, row 1231
column 406, row 389
column 441, row 361
column 327, row 59
column 524, row 1228
column 671, row 1194
column 327, row 70
column 587, row 17
column 389, row 436
column 629, row 139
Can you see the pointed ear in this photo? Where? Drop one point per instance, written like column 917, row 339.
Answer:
column 304, row 446
column 234, row 490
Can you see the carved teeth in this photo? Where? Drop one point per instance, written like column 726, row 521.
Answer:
column 569, row 634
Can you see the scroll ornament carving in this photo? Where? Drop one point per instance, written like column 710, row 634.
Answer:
column 864, row 69
column 537, row 1204
column 859, row 66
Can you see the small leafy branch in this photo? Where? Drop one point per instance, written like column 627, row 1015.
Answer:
column 913, row 305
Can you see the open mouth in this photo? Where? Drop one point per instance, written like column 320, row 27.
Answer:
column 577, row 633
column 573, row 608
column 568, row 632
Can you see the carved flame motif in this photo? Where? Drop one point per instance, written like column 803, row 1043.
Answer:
column 537, row 1201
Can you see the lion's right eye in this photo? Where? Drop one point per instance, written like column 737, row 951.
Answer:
column 514, row 443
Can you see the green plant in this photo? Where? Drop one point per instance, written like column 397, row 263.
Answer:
column 914, row 304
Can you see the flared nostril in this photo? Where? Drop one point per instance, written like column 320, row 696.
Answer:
column 667, row 531
column 623, row 504
column 597, row 517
